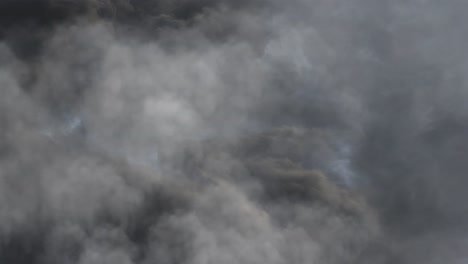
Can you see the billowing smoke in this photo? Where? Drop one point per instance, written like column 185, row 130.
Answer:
column 233, row 132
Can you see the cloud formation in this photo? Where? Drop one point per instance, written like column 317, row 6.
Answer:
column 205, row 131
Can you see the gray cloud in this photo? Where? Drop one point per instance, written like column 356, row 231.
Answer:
column 232, row 132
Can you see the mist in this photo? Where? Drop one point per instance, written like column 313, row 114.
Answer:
column 203, row 132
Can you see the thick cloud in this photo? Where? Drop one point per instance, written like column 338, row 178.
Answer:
column 232, row 131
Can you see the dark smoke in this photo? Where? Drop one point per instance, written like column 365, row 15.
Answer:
column 203, row 131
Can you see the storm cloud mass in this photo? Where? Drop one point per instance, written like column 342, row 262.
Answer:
column 233, row 132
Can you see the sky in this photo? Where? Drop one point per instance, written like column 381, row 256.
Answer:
column 233, row 132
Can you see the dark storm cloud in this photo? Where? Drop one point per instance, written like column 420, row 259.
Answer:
column 232, row 131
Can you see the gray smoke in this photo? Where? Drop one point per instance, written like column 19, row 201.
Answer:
column 203, row 132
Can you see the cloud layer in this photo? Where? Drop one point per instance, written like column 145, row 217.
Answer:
column 232, row 132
